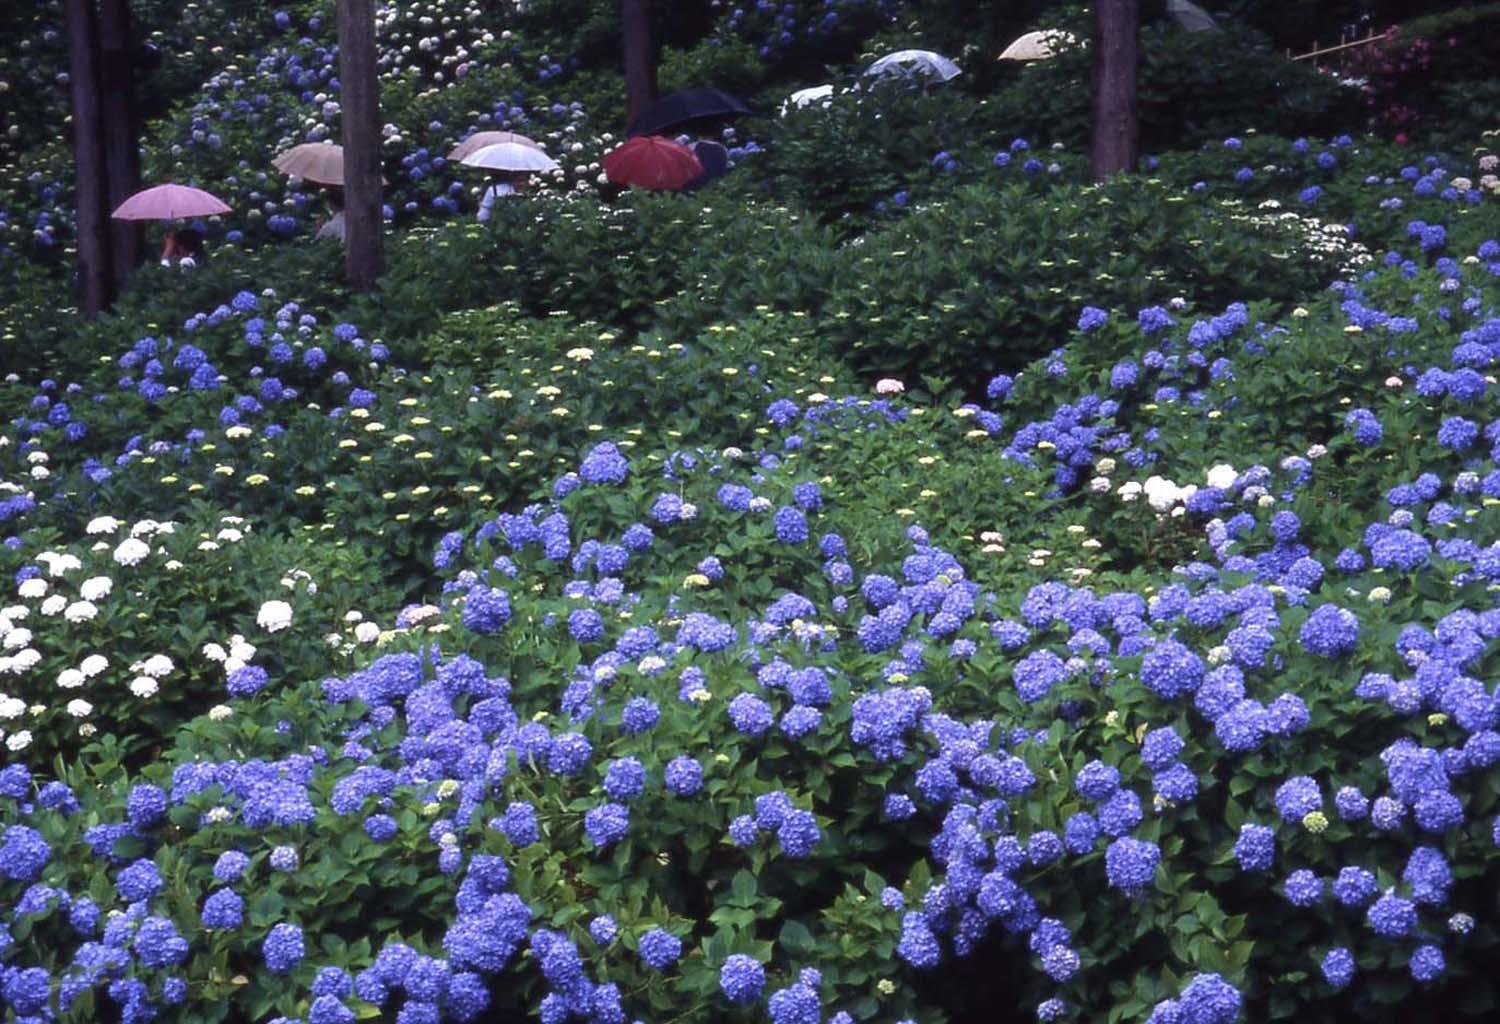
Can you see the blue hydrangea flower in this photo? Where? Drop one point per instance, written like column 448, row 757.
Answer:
column 1255, row 848
column 1130, row 864
column 283, row 949
column 606, row 824
column 742, row 978
column 660, row 949
column 1338, row 967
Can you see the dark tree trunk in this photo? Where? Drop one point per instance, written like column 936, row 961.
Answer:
column 1116, row 129
column 121, row 132
column 359, row 98
column 88, row 157
column 640, row 68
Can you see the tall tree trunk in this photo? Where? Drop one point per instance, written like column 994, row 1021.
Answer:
column 121, row 132
column 359, row 99
column 88, row 157
column 1116, row 129
column 640, row 68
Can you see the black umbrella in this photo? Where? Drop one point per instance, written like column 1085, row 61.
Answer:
column 687, row 105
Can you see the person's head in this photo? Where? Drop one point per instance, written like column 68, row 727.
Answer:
column 189, row 242
column 336, row 198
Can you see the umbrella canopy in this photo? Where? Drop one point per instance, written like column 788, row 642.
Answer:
column 1039, row 45
column 479, row 140
column 510, row 156
column 651, row 161
column 915, row 62
column 806, row 97
column 319, row 162
column 168, row 202
column 1190, row 17
column 687, row 105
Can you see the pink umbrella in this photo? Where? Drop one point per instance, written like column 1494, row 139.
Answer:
column 169, row 202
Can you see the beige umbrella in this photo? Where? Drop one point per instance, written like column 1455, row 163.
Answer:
column 479, row 140
column 319, row 162
column 1039, row 45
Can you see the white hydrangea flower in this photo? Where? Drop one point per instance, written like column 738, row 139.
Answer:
column 31, row 589
column 96, row 588
column 79, row 708
column 54, row 605
column 17, row 741
column 61, row 564
column 240, row 650
column 93, row 665
column 219, row 712
column 131, row 552
column 1222, row 476
column 102, row 524
column 70, row 679
column 274, row 616
column 19, row 637
column 144, row 687
column 155, row 666
column 214, row 652
column 81, row 611
column 367, row 632
column 11, row 707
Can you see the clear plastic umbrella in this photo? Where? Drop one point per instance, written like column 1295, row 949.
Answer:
column 1190, row 17
column 807, row 97
column 916, row 62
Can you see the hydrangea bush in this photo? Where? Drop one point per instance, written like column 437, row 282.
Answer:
column 578, row 630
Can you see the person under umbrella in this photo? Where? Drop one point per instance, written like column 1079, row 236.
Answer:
column 504, row 183
column 170, row 203
column 512, row 164
column 333, row 228
column 715, row 160
column 182, row 247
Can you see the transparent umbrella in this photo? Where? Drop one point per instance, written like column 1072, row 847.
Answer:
column 916, row 62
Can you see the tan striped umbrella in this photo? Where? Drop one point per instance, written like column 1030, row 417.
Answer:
column 1038, row 45
column 319, row 162
column 479, row 140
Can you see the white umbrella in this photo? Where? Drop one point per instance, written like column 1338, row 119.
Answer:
column 1190, row 17
column 1039, row 45
column 806, row 97
column 510, row 156
column 916, row 62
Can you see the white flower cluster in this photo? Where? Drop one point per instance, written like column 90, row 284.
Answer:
column 233, row 658
column 1164, row 496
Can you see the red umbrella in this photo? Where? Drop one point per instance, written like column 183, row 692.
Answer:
column 652, row 161
column 169, row 202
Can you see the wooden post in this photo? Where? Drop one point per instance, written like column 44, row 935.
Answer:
column 1115, row 133
column 120, row 132
column 88, row 157
column 640, row 69
column 359, row 99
